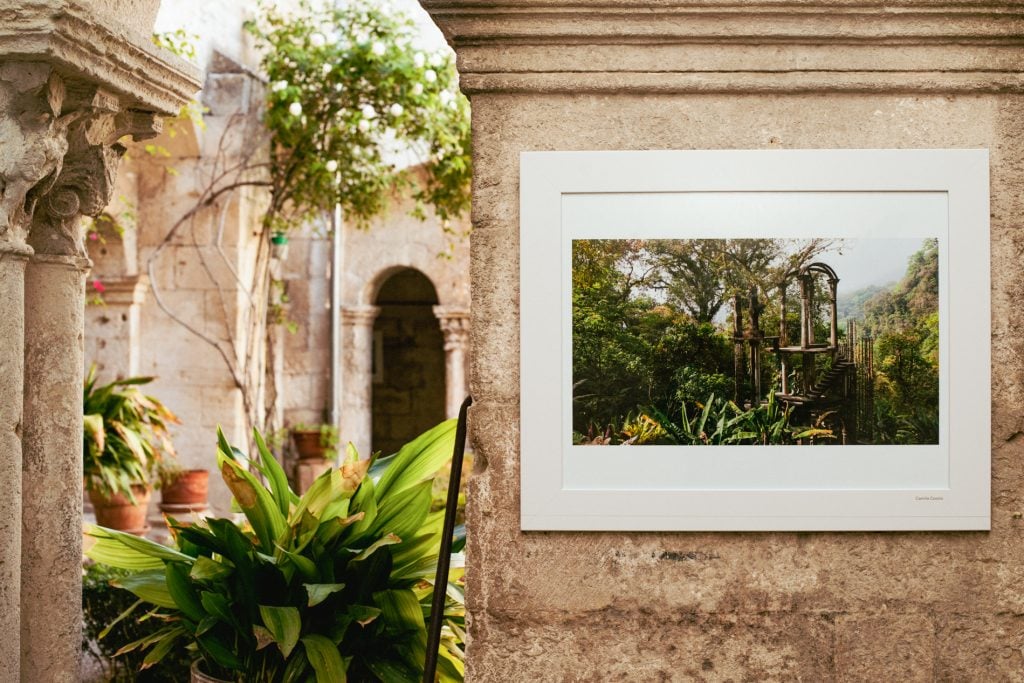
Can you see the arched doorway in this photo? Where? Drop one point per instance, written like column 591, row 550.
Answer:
column 409, row 361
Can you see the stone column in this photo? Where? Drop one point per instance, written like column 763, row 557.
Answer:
column 455, row 328
column 54, row 350
column 357, row 376
column 13, row 256
column 32, row 145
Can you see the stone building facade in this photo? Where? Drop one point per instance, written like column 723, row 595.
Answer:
column 170, row 287
column 582, row 75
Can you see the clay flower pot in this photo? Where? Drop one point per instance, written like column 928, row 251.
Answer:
column 187, row 492
column 118, row 511
column 309, row 444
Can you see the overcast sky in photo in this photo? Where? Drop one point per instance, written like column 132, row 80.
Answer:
column 863, row 262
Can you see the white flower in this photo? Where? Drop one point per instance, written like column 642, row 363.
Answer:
column 418, row 60
column 278, row 86
column 417, row 89
column 361, row 37
column 378, row 48
column 317, row 40
column 327, row 68
column 396, row 109
column 364, row 125
column 368, row 111
column 430, row 75
column 436, row 59
column 331, row 166
column 295, row 108
column 338, row 87
column 446, row 96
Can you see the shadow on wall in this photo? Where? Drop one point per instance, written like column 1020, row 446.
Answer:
column 408, row 361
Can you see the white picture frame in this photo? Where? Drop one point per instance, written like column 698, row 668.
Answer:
column 736, row 193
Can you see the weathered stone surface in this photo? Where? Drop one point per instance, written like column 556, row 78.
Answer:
column 581, row 75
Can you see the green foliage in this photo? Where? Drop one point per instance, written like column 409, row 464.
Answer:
column 349, row 95
column 332, row 586
column 905, row 321
column 125, row 435
column 104, row 633
column 720, row 422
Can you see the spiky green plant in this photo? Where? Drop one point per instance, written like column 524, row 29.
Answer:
column 333, row 586
column 125, row 437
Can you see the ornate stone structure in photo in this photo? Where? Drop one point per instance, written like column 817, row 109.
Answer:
column 580, row 75
column 75, row 80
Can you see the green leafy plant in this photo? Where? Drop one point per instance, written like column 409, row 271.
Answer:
column 332, row 586
column 351, row 99
column 125, row 435
column 103, row 634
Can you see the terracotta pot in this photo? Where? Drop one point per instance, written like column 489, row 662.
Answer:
column 185, row 493
column 308, row 444
column 118, row 511
column 200, row 677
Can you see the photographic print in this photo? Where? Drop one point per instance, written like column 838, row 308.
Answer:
column 816, row 341
column 754, row 340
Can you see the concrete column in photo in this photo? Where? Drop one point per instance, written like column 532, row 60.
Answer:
column 455, row 328
column 357, row 376
column 650, row 75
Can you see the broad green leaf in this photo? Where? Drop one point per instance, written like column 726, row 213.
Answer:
column 139, row 545
column 218, row 605
column 306, row 566
column 318, row 592
column 147, row 640
column 150, row 585
column 400, row 608
column 206, row 569
column 212, row 647
column 161, row 649
column 255, row 501
column 275, row 474
column 363, row 614
column 323, row 655
column 387, row 669
column 402, row 513
column 284, row 624
column 390, row 539
column 184, row 593
column 418, row 460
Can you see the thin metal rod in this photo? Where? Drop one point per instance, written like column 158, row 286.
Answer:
column 445, row 555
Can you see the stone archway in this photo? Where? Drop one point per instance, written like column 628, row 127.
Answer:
column 408, row 366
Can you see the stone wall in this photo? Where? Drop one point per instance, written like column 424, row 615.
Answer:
column 739, row 606
column 393, row 243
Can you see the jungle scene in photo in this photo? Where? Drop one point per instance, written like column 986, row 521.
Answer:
column 755, row 341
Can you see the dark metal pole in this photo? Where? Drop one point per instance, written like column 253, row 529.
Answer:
column 445, row 555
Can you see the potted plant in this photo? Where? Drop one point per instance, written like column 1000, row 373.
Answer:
column 183, row 491
column 125, row 438
column 332, row 586
column 318, row 442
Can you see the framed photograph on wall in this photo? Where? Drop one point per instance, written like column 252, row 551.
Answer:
column 755, row 340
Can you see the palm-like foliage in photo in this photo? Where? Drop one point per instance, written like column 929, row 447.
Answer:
column 333, row 586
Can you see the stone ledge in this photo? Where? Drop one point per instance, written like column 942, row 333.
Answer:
column 67, row 34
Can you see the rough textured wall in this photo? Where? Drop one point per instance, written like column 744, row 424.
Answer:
column 735, row 606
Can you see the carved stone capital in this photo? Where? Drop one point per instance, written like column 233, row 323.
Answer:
column 454, row 326
column 83, row 181
column 359, row 315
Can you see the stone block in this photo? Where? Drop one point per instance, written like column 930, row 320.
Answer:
column 885, row 647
